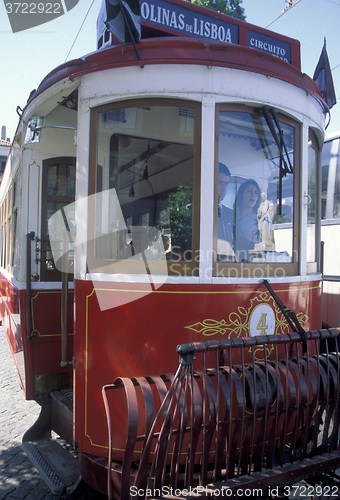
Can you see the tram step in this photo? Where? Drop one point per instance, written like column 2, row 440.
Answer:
column 59, row 469
column 62, row 413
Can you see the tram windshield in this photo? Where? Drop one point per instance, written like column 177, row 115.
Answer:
column 146, row 154
column 255, row 188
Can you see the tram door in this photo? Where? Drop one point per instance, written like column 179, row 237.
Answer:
column 58, row 190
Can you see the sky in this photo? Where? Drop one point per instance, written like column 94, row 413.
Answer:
column 28, row 56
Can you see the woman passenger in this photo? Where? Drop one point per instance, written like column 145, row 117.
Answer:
column 246, row 226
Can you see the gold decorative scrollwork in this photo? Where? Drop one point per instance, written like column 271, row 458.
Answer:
column 237, row 323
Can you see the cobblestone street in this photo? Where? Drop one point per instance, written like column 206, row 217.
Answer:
column 18, row 477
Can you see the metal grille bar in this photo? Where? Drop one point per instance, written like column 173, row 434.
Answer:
column 250, row 405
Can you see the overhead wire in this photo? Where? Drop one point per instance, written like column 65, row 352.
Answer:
column 81, row 26
column 291, row 5
column 334, row 2
column 286, row 9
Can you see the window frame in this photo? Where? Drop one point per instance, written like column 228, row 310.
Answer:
column 50, row 274
column 183, row 268
column 15, row 218
column 260, row 270
column 314, row 144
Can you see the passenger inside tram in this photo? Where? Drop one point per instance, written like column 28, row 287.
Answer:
column 225, row 221
column 259, row 168
column 246, row 224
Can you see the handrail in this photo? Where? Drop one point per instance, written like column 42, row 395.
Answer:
column 29, row 333
column 64, row 305
column 330, row 277
column 64, row 316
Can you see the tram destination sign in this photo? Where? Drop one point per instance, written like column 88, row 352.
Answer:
column 184, row 18
column 261, row 41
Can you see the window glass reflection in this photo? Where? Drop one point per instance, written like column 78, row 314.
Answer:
column 59, row 176
column 145, row 153
column 255, row 188
column 312, row 205
column 330, row 198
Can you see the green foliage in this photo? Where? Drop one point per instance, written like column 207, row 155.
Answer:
column 280, row 219
column 180, row 217
column 230, row 7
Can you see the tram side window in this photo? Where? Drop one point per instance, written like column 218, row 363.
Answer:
column 8, row 227
column 6, row 224
column 58, row 191
column 330, row 198
column 330, row 205
column 145, row 156
column 14, row 222
column 2, row 236
column 256, row 171
column 313, row 205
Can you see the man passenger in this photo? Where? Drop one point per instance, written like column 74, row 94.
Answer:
column 225, row 217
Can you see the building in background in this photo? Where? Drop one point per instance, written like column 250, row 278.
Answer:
column 4, row 150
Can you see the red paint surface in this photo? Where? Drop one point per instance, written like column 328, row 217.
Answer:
column 140, row 338
column 185, row 50
column 42, row 354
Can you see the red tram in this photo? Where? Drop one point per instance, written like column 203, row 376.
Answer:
column 184, row 171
